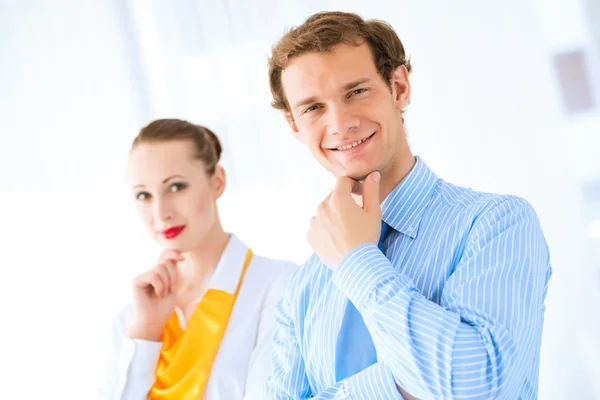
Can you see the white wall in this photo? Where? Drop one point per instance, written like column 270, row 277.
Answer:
column 80, row 78
column 68, row 109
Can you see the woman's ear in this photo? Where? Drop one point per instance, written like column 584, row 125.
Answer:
column 219, row 181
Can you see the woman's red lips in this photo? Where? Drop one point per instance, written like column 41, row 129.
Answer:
column 173, row 232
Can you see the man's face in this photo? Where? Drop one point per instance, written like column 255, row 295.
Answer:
column 344, row 111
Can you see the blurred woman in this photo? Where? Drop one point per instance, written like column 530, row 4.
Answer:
column 200, row 323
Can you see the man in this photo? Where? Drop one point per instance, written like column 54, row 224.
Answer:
column 422, row 290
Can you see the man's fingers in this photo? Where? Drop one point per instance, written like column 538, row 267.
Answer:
column 344, row 185
column 357, row 188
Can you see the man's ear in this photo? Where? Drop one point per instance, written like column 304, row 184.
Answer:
column 292, row 124
column 400, row 87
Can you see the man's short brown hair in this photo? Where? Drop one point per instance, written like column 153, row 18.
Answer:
column 324, row 30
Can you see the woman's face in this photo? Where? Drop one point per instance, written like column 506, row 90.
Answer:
column 175, row 196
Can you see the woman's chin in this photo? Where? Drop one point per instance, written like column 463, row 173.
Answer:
column 173, row 244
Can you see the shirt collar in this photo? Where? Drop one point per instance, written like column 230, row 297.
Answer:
column 226, row 275
column 228, row 270
column 403, row 208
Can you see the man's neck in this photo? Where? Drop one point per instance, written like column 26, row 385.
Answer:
column 390, row 178
column 395, row 172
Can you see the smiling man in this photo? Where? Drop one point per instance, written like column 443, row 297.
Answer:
column 425, row 290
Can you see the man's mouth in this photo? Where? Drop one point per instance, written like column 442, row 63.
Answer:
column 353, row 144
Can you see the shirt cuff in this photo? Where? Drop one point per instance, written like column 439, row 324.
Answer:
column 145, row 357
column 366, row 274
column 374, row 382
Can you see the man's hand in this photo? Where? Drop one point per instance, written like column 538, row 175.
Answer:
column 405, row 395
column 341, row 225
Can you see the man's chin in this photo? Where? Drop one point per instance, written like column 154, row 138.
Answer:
column 358, row 178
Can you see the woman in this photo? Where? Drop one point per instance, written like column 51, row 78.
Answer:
column 200, row 323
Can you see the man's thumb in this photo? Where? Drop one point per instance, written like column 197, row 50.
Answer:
column 371, row 192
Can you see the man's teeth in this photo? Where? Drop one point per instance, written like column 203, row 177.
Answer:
column 351, row 145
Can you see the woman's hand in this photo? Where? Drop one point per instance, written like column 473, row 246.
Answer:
column 154, row 298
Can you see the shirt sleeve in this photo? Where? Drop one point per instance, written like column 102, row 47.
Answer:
column 288, row 379
column 481, row 340
column 130, row 364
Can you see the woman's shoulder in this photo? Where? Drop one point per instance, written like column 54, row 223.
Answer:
column 261, row 264
column 270, row 279
column 272, row 264
column 271, row 269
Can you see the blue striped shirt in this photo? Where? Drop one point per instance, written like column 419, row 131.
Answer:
column 455, row 307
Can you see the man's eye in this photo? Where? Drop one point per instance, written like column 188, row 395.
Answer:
column 357, row 91
column 311, row 108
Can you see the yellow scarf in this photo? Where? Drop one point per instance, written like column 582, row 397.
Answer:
column 186, row 356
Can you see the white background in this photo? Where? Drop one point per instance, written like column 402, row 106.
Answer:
column 78, row 79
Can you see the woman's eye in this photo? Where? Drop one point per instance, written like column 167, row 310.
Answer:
column 142, row 196
column 176, row 187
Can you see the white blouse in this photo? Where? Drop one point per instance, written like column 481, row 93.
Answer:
column 243, row 360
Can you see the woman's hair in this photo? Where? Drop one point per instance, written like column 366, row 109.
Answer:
column 207, row 146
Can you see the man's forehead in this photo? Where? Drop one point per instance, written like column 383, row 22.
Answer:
column 313, row 72
column 349, row 55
